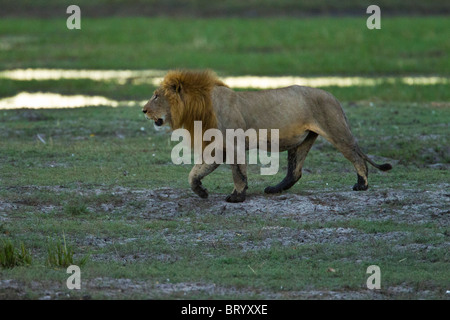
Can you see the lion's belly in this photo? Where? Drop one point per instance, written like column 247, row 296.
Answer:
column 283, row 142
column 289, row 142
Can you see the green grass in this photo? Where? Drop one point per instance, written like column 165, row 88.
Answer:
column 275, row 46
column 11, row 257
column 61, row 255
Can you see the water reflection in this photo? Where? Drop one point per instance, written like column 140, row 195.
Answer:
column 42, row 100
column 274, row 82
column 96, row 75
column 154, row 77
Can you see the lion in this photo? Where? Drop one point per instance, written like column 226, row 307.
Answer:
column 300, row 113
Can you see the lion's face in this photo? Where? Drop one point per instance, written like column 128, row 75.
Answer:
column 158, row 109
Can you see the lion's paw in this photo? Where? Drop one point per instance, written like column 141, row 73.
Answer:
column 272, row 190
column 360, row 187
column 201, row 191
column 235, row 197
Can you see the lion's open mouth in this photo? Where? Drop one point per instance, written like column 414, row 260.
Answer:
column 159, row 122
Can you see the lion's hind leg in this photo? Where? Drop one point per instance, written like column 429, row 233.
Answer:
column 349, row 148
column 296, row 158
column 351, row 152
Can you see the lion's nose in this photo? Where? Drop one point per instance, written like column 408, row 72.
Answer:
column 144, row 111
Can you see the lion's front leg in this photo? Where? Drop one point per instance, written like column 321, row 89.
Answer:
column 240, row 183
column 198, row 172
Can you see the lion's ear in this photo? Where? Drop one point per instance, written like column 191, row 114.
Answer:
column 176, row 88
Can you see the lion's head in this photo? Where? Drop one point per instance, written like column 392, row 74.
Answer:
column 158, row 109
column 184, row 97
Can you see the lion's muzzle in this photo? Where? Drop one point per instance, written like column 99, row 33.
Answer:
column 158, row 121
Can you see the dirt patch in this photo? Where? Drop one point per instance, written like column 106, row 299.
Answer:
column 410, row 206
column 288, row 220
column 122, row 288
column 405, row 206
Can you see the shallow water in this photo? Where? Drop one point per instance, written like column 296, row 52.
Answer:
column 97, row 75
column 259, row 82
column 154, row 77
column 46, row 100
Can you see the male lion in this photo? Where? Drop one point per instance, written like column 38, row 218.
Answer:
column 300, row 113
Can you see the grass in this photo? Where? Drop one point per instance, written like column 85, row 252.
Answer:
column 76, row 207
column 273, row 46
column 11, row 257
column 61, row 255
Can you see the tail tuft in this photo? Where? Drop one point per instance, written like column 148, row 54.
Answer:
column 382, row 167
column 385, row 167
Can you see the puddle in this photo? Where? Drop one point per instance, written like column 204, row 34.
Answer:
column 154, row 77
column 96, row 75
column 274, row 82
column 41, row 100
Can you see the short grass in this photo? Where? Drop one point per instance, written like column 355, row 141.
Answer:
column 275, row 46
column 10, row 256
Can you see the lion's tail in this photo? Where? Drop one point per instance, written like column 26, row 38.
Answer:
column 382, row 167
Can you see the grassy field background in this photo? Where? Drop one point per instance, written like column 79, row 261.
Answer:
column 101, row 181
column 260, row 46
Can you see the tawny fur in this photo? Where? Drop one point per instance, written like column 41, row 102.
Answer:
column 299, row 113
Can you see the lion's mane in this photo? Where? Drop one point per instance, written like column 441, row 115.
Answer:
column 189, row 96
